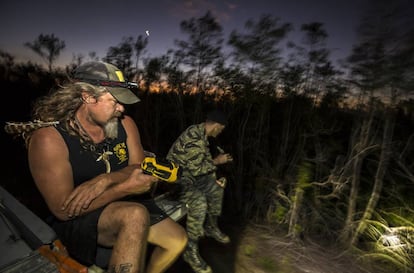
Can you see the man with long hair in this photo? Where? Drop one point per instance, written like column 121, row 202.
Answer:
column 87, row 168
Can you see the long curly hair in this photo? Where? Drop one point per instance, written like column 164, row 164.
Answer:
column 58, row 107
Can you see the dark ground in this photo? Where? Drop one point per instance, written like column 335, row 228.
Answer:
column 254, row 250
column 220, row 257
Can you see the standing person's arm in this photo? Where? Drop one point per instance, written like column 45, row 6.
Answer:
column 222, row 159
column 196, row 154
column 196, row 157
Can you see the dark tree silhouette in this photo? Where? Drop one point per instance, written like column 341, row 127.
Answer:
column 200, row 51
column 139, row 47
column 47, row 46
column 121, row 55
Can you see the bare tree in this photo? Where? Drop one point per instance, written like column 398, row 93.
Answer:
column 139, row 47
column 380, row 63
column 258, row 52
column 121, row 55
column 200, row 52
column 6, row 63
column 47, row 46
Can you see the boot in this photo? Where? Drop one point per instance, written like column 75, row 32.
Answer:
column 212, row 230
column 192, row 256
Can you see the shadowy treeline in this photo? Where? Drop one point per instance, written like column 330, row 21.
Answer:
column 320, row 151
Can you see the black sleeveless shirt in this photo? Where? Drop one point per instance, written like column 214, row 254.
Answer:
column 79, row 235
column 88, row 164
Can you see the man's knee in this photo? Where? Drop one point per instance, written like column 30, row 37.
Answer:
column 119, row 217
column 179, row 241
column 133, row 214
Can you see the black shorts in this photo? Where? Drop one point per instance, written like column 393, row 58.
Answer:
column 80, row 235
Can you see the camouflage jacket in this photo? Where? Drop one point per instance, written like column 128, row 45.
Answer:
column 191, row 151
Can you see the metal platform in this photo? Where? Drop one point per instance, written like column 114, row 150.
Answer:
column 21, row 234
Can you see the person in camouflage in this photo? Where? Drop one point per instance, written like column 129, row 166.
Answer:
column 200, row 189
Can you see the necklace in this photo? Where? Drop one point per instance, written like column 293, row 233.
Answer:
column 100, row 150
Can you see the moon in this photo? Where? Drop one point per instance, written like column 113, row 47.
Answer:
column 147, row 32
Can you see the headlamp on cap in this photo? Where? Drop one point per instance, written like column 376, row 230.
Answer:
column 107, row 75
column 104, row 83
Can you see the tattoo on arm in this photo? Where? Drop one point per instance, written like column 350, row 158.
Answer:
column 122, row 268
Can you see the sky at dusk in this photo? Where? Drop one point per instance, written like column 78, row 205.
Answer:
column 96, row 25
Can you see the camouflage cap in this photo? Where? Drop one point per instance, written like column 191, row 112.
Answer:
column 109, row 76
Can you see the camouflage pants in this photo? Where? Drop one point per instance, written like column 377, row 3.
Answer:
column 203, row 197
